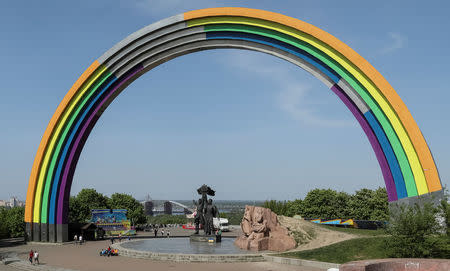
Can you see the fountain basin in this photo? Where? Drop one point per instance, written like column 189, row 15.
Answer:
column 183, row 250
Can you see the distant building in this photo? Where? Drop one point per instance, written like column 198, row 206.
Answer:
column 12, row 202
column 167, row 208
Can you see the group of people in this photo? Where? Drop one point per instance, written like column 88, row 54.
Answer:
column 109, row 252
column 33, row 256
column 167, row 232
column 78, row 239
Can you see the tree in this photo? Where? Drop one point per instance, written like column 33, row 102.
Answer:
column 367, row 204
column 341, row 205
column 294, row 207
column 278, row 207
column 15, row 222
column 167, row 219
column 4, row 232
column 361, row 204
column 134, row 207
column 12, row 222
column 75, row 211
column 444, row 210
column 445, row 213
column 415, row 233
column 234, row 217
column 320, row 203
column 84, row 202
column 380, row 205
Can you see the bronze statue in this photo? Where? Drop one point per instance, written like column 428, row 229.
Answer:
column 205, row 210
column 210, row 211
column 199, row 218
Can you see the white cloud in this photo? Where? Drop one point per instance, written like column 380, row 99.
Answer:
column 293, row 97
column 293, row 100
column 398, row 41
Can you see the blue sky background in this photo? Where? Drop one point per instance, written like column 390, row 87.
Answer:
column 250, row 125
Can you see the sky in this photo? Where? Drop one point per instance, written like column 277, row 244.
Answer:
column 250, row 125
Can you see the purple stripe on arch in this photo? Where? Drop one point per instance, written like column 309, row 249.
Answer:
column 388, row 179
column 66, row 182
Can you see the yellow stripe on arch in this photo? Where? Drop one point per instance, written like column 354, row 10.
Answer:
column 198, row 18
column 43, row 171
column 45, row 138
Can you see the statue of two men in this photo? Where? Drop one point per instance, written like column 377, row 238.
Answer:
column 206, row 211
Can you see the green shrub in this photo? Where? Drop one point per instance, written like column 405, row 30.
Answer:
column 234, row 217
column 12, row 222
column 167, row 219
column 445, row 214
column 364, row 204
column 416, row 233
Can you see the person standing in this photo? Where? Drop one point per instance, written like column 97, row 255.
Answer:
column 36, row 257
column 75, row 239
column 155, row 231
column 31, row 256
column 81, row 239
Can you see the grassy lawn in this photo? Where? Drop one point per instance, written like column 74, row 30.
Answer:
column 356, row 230
column 350, row 250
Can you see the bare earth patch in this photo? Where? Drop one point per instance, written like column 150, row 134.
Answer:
column 310, row 236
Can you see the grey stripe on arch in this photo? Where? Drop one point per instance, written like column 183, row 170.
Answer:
column 141, row 32
column 353, row 95
column 161, row 43
column 157, row 50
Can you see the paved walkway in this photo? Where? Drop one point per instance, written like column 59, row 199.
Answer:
column 86, row 257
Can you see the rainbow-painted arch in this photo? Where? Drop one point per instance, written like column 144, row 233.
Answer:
column 406, row 162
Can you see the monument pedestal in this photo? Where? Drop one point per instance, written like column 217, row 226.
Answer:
column 204, row 238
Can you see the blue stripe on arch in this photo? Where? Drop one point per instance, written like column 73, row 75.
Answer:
column 389, row 153
column 57, row 176
column 277, row 44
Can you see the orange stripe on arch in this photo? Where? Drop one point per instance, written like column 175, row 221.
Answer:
column 413, row 131
column 46, row 137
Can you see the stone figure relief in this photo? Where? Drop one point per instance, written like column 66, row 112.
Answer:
column 262, row 231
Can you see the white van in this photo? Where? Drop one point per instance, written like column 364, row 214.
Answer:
column 221, row 223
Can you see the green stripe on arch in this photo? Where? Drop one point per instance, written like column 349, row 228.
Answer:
column 62, row 138
column 51, row 147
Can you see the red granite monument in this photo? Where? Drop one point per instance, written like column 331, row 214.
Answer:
column 262, row 231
